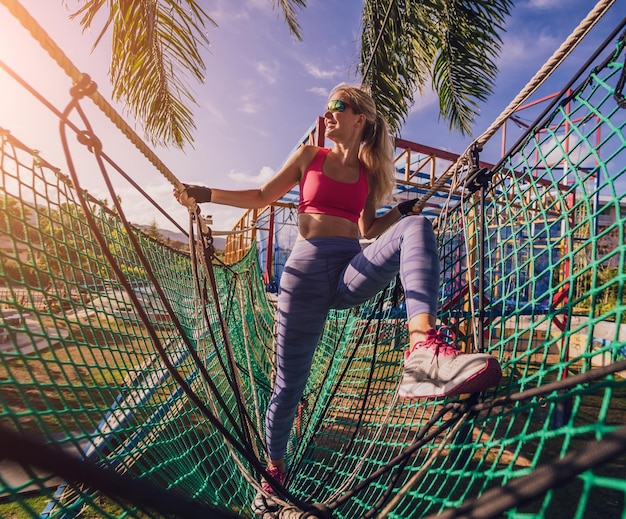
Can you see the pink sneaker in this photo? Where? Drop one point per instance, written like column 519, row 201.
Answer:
column 263, row 501
column 434, row 367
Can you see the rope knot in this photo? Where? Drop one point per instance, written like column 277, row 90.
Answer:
column 84, row 87
column 93, row 144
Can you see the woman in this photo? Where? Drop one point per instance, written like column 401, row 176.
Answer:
column 340, row 189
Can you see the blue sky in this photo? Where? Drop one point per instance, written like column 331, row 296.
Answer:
column 263, row 90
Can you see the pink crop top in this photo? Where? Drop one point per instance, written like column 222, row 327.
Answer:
column 323, row 195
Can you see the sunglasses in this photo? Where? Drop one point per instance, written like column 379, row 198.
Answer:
column 337, row 105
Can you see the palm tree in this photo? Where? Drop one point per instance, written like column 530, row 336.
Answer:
column 405, row 43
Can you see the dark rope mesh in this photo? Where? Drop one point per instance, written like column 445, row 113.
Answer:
column 97, row 367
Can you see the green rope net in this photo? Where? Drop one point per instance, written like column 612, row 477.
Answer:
column 134, row 377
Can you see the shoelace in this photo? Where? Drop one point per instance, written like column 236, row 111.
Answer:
column 438, row 340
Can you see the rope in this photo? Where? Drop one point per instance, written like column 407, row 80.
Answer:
column 55, row 52
column 54, row 460
column 383, row 513
column 560, row 385
column 241, row 447
column 398, row 462
column 522, row 490
column 548, row 68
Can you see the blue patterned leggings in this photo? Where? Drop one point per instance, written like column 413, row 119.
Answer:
column 325, row 273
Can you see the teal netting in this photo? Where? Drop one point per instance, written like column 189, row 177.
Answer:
column 134, row 377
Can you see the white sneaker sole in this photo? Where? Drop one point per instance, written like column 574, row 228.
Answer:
column 486, row 375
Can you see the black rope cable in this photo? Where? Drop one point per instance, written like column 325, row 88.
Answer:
column 206, row 258
column 475, row 408
column 139, row 491
column 106, row 252
column 422, row 437
column 260, row 323
column 90, row 140
column 620, row 99
column 249, row 354
column 413, row 479
column 454, row 422
column 244, row 451
column 562, row 98
column 136, row 186
column 517, row 492
column 382, row 298
column 559, row 385
column 237, row 392
column 570, row 380
column 463, row 407
column 71, row 125
column 207, row 250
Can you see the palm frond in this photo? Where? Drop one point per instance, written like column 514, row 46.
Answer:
column 156, row 48
column 452, row 42
column 289, row 7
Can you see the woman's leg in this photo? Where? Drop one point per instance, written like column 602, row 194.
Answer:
column 410, row 248
column 306, row 287
column 433, row 367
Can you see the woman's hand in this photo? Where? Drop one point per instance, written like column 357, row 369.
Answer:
column 192, row 194
column 407, row 207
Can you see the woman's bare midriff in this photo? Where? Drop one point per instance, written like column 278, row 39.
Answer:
column 323, row 225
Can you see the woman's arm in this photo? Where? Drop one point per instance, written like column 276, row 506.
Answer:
column 287, row 177
column 372, row 226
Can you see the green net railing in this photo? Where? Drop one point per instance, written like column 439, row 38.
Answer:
column 134, row 377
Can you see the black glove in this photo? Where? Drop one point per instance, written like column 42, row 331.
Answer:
column 407, row 206
column 200, row 193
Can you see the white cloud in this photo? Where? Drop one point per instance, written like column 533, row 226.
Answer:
column 269, row 71
column 264, row 175
column 320, row 91
column 215, row 115
column 558, row 148
column 222, row 12
column 261, row 5
column 423, row 101
column 248, row 103
column 319, row 73
column 544, row 4
column 520, row 49
column 224, row 217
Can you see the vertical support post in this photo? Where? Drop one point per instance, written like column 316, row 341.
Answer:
column 479, row 180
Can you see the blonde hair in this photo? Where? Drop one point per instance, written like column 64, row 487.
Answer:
column 377, row 146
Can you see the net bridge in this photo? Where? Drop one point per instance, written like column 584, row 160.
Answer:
column 135, row 374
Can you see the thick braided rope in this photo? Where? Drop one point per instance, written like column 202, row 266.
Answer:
column 566, row 48
column 55, row 52
column 550, row 66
